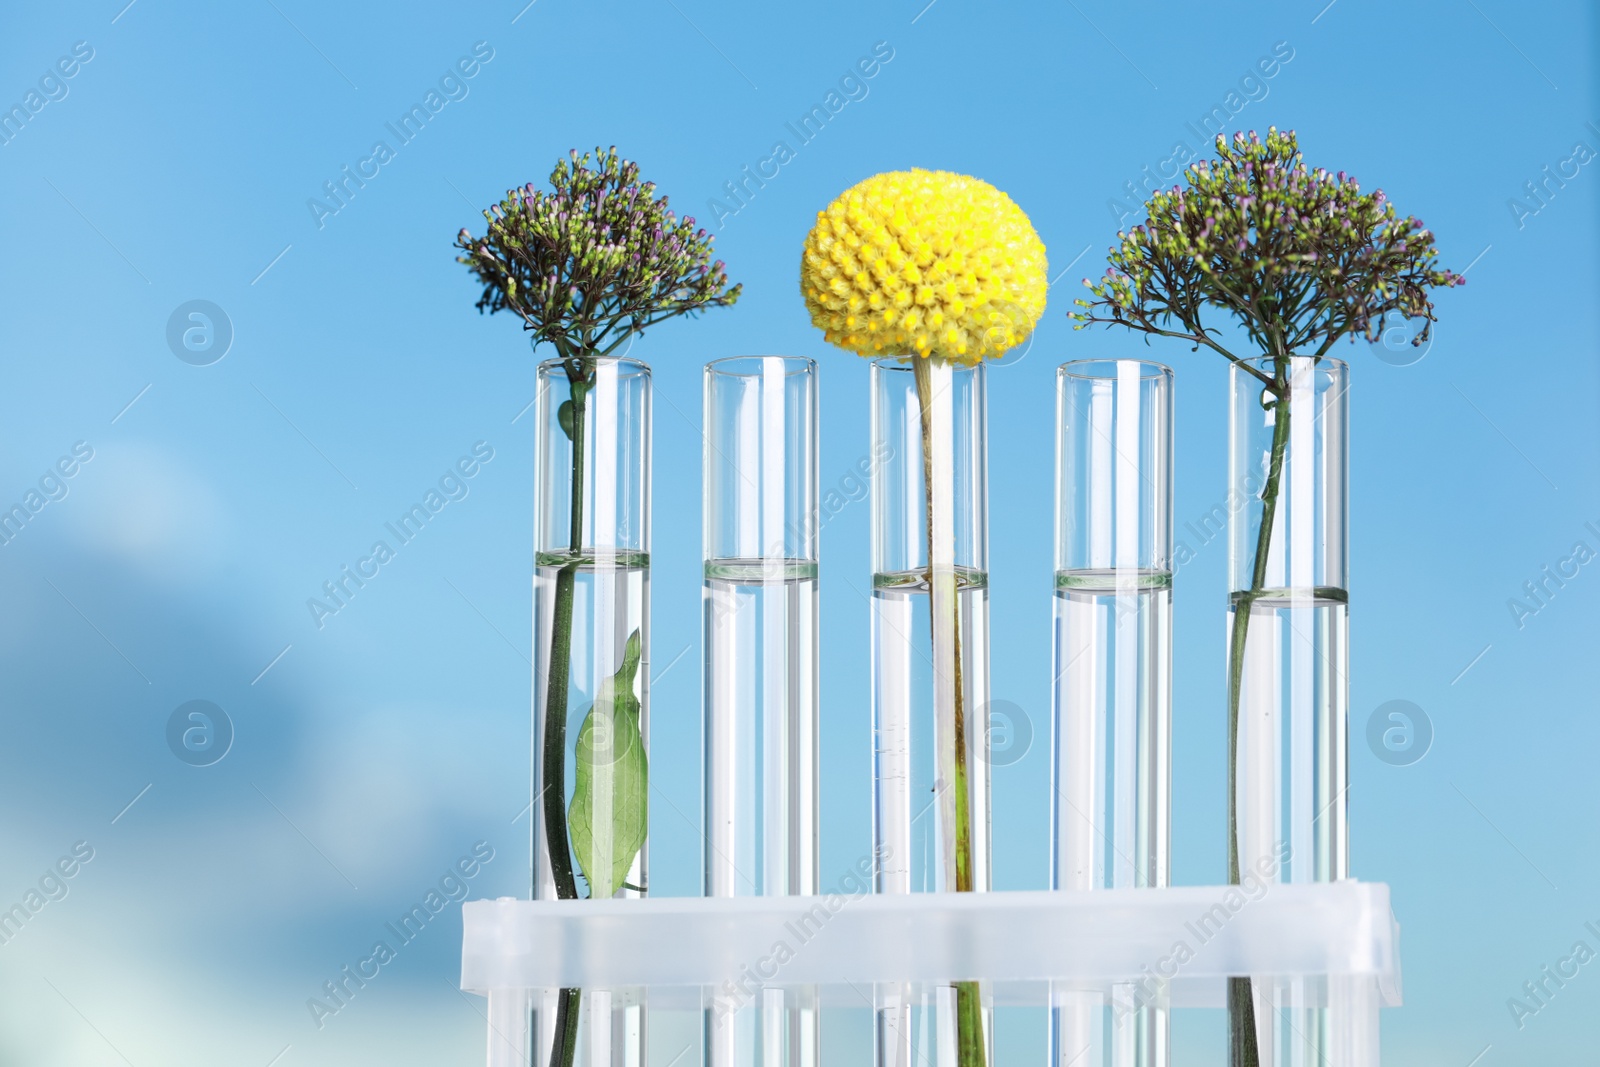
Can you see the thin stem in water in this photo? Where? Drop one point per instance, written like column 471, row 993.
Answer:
column 1241, row 1002
column 554, row 744
column 969, row 1000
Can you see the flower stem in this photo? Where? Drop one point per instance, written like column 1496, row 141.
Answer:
column 1241, row 1002
column 554, row 744
column 944, row 588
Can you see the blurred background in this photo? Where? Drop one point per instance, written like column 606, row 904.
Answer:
column 344, row 763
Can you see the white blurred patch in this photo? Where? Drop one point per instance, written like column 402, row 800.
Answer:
column 85, row 997
column 144, row 505
column 385, row 781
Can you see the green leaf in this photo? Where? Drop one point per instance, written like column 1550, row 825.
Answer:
column 609, row 812
column 564, row 418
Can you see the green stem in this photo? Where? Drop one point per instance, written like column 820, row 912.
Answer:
column 1241, row 1004
column 555, row 757
column 969, row 1000
column 554, row 745
column 564, row 1051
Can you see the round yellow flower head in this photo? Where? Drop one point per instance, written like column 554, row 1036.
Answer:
column 924, row 263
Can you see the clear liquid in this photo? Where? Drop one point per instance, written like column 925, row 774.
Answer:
column 1111, row 778
column 913, row 799
column 760, row 622
column 1291, row 784
column 611, row 600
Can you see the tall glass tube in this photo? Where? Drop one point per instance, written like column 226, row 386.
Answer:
column 760, row 687
column 930, row 671
column 1111, row 723
column 1288, row 668
column 591, row 670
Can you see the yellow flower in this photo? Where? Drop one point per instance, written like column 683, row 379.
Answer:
column 924, row 263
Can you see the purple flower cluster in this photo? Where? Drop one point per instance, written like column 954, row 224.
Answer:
column 1299, row 257
column 595, row 260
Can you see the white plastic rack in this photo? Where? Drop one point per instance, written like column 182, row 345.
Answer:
column 1333, row 944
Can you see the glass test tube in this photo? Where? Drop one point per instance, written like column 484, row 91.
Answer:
column 760, row 687
column 1112, row 699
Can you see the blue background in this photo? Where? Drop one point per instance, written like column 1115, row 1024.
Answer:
column 380, row 747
